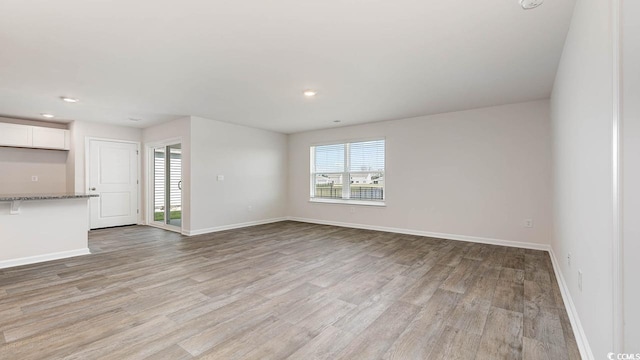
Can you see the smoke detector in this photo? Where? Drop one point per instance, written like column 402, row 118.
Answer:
column 530, row 4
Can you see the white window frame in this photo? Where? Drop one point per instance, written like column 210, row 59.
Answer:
column 346, row 175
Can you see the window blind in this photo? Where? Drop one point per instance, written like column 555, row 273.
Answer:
column 366, row 156
column 348, row 171
column 329, row 158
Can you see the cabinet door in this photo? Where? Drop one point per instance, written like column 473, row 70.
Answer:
column 50, row 138
column 15, row 135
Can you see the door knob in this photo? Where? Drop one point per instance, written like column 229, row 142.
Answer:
column 92, row 189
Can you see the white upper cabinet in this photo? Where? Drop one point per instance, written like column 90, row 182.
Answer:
column 50, row 138
column 17, row 135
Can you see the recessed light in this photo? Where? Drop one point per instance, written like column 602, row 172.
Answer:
column 337, row 121
column 48, row 116
column 134, row 119
column 530, row 4
column 310, row 93
column 69, row 100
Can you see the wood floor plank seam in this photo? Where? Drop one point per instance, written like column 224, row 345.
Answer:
column 285, row 290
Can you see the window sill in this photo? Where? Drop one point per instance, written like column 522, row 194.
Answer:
column 348, row 202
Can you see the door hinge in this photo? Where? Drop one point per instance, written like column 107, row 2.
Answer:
column 137, row 181
column 137, row 152
column 138, row 211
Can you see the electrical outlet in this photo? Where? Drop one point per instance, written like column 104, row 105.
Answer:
column 580, row 280
column 34, row 178
column 220, row 177
column 528, row 223
column 569, row 259
column 250, row 208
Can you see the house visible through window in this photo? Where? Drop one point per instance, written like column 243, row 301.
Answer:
column 362, row 163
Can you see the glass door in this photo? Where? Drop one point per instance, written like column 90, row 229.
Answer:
column 167, row 185
column 174, row 185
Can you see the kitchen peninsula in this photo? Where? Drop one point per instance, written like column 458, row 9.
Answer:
column 43, row 227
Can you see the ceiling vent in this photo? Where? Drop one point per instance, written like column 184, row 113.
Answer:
column 530, row 4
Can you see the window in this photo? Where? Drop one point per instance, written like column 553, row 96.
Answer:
column 349, row 171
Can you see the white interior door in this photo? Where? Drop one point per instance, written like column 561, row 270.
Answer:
column 113, row 175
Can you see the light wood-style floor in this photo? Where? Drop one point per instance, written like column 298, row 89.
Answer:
column 285, row 291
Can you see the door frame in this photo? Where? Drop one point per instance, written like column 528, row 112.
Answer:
column 618, row 240
column 148, row 208
column 87, row 163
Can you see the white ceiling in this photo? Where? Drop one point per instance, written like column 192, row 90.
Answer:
column 247, row 62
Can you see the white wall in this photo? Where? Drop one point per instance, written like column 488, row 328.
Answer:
column 180, row 128
column 476, row 173
column 20, row 164
column 80, row 130
column 581, row 113
column 58, row 171
column 43, row 230
column 252, row 161
column 631, row 170
column 254, row 165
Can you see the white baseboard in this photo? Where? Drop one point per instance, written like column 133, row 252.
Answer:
column 43, row 258
column 231, row 226
column 476, row 239
column 578, row 331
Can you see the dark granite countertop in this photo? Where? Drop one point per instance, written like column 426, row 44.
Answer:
column 17, row 197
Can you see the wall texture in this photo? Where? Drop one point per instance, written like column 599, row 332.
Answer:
column 254, row 165
column 180, row 128
column 477, row 173
column 631, row 170
column 20, row 164
column 581, row 113
column 252, row 161
column 80, row 130
column 44, row 230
